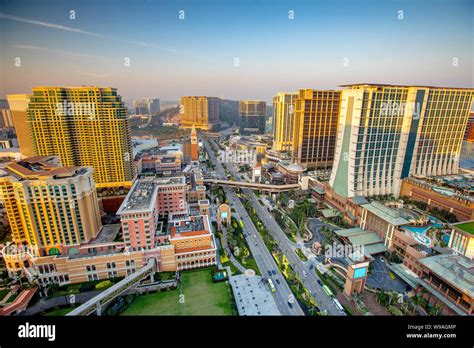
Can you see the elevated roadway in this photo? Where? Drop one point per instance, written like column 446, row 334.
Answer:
column 96, row 303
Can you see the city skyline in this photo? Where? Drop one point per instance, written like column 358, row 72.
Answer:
column 235, row 158
column 276, row 49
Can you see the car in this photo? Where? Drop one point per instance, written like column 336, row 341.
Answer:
column 278, row 282
column 290, row 304
column 270, row 273
column 255, row 244
column 320, row 282
column 381, row 259
column 311, row 267
column 274, row 272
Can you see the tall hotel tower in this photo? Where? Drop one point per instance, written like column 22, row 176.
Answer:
column 388, row 132
column 84, row 126
column 315, row 127
column 199, row 112
column 18, row 104
column 48, row 205
column 252, row 114
column 283, row 114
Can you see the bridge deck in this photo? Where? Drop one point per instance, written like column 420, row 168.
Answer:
column 253, row 185
column 115, row 290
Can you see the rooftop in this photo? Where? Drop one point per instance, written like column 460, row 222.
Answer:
column 457, row 270
column 293, row 167
column 467, row 226
column 390, row 215
column 107, row 234
column 359, row 200
column 358, row 237
column 175, row 180
column 140, row 198
column 41, row 167
column 406, row 86
column 195, row 225
column 453, row 186
column 252, row 296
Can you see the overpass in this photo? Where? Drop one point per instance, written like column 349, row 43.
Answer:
column 95, row 304
column 253, row 185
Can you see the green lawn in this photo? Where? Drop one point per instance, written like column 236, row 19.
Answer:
column 467, row 227
column 3, row 293
column 201, row 297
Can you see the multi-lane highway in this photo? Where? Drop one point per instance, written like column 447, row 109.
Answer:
column 283, row 295
column 308, row 276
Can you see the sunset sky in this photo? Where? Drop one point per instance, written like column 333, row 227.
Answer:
column 170, row 57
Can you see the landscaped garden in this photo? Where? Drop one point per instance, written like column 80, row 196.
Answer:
column 239, row 247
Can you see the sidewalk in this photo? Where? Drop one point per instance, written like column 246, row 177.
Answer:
column 228, row 252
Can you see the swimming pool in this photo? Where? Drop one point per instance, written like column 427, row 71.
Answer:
column 445, row 238
column 435, row 222
column 415, row 229
column 422, row 238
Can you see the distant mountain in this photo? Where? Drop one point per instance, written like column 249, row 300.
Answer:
column 229, row 111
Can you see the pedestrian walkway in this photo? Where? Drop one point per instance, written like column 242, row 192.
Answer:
column 228, row 252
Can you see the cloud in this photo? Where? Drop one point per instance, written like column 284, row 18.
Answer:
column 54, row 50
column 84, row 32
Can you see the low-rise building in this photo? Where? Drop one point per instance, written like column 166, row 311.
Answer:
column 183, row 241
column 462, row 238
column 443, row 194
column 448, row 281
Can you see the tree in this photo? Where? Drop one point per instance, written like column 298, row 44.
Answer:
column 244, row 252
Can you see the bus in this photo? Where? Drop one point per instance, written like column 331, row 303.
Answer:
column 270, row 284
column 338, row 305
column 328, row 291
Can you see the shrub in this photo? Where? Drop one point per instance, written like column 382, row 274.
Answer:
column 103, row 285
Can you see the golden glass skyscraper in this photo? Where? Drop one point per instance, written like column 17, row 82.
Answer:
column 85, row 126
column 283, row 116
column 315, row 127
column 199, row 112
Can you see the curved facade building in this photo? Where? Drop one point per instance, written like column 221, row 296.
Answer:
column 389, row 132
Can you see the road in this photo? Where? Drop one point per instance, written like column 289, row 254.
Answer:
column 307, row 276
column 259, row 251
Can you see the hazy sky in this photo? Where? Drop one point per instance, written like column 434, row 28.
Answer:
column 170, row 57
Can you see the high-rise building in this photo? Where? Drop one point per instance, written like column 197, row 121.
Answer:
column 315, row 127
column 283, row 115
column 6, row 119
column 252, row 117
column 389, row 132
column 85, row 126
column 18, row 104
column 469, row 134
column 146, row 106
column 199, row 112
column 48, row 205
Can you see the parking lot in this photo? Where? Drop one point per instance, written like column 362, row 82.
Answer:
column 379, row 277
